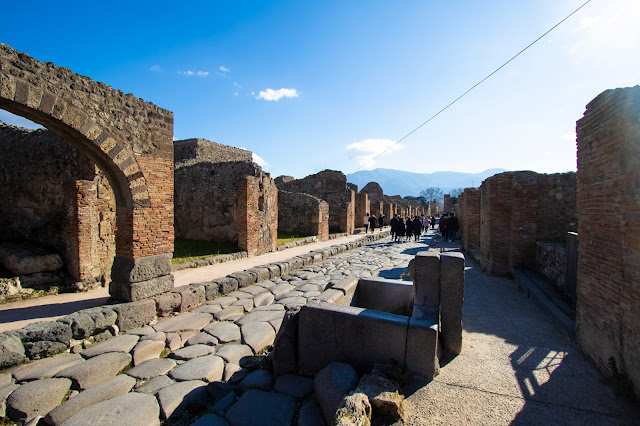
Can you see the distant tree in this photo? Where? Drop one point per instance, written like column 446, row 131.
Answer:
column 432, row 194
column 420, row 199
column 455, row 193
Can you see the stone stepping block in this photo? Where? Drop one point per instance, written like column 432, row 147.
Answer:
column 210, row 420
column 258, row 335
column 280, row 289
column 223, row 302
column 263, row 299
column 229, row 312
column 208, row 309
column 45, row 368
column 160, row 337
column 293, row 301
column 187, row 321
column 259, row 379
column 308, row 287
column 234, row 352
column 155, row 384
column 293, row 385
column 234, row 373
column 142, row 331
column 95, row 370
column 247, row 304
column 36, row 398
column 111, row 388
column 224, row 331
column 180, row 396
column 129, row 409
column 146, row 350
column 241, row 295
column 152, row 368
column 193, row 351
column 257, row 407
column 290, row 294
column 272, row 307
column 123, row 343
column 202, row 339
column 206, row 368
column 260, row 316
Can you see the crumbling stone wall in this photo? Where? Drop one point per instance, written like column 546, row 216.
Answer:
column 469, row 218
column 402, row 208
column 55, row 197
column 551, row 263
column 130, row 140
column 191, row 151
column 330, row 186
column 304, row 214
column 608, row 204
column 519, row 208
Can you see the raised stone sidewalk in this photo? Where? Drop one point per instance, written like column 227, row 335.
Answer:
column 212, row 362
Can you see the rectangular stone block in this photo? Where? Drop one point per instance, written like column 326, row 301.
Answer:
column 451, row 300
column 191, row 296
column 227, row 285
column 167, row 303
column 330, row 296
column 422, row 346
column 262, row 273
column 392, row 296
column 348, row 287
column 360, row 337
column 426, row 278
column 211, row 290
column 134, row 314
column 122, row 290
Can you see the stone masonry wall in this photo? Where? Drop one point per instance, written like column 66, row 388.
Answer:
column 54, row 196
column 330, row 186
column 190, row 151
column 257, row 198
column 608, row 205
column 470, row 218
column 304, row 214
column 551, row 263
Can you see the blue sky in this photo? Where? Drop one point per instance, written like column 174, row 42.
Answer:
column 309, row 86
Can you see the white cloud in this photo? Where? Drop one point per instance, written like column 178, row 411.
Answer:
column 276, row 95
column 364, row 152
column 260, row 161
column 155, row 68
column 190, row 73
column 224, row 69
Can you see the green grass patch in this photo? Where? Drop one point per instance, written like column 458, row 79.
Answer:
column 190, row 250
column 287, row 237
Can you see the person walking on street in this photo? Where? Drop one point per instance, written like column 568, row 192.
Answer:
column 372, row 223
column 366, row 223
column 452, row 227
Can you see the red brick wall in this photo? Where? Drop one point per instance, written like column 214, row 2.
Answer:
column 470, row 218
column 257, row 214
column 362, row 208
column 608, row 204
column 495, row 223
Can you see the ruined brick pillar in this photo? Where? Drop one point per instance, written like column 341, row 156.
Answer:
column 257, row 214
column 81, row 230
column 322, row 224
column 524, row 209
column 608, row 206
column 362, row 208
column 470, row 218
column 446, row 205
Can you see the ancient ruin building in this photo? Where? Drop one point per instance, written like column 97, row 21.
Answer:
column 608, row 205
column 128, row 139
column 362, row 209
column 221, row 195
column 330, row 186
column 517, row 209
column 53, row 196
column 303, row 214
column 378, row 202
column 403, row 207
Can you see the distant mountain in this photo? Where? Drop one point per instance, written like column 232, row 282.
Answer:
column 397, row 182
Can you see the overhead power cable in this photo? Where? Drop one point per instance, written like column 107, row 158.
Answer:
column 475, row 85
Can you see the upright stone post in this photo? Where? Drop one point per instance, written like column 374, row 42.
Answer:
column 426, row 279
column 451, row 300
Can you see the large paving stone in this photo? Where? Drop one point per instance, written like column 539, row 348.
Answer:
column 234, row 373
column 193, row 351
column 263, row 299
column 142, row 331
column 247, row 304
column 52, row 331
column 160, row 337
column 180, row 396
column 272, row 307
column 202, row 339
column 155, row 384
column 207, row 368
column 259, row 379
column 223, row 301
column 263, row 316
column 123, row 343
column 293, row 385
column 224, row 331
column 257, row 407
column 45, row 368
column 146, row 350
column 208, row 309
column 293, row 301
column 281, row 289
column 152, row 368
column 234, row 352
column 36, row 398
column 131, row 409
column 258, row 335
column 116, row 386
column 95, row 370
column 182, row 322
column 229, row 312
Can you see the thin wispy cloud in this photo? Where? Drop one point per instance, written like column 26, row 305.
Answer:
column 155, row 68
column 224, row 69
column 190, row 73
column 364, row 152
column 276, row 95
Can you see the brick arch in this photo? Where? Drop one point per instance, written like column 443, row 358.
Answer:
column 129, row 139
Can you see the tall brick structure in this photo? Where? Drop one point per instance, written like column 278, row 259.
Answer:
column 519, row 208
column 469, row 218
column 130, row 140
column 303, row 214
column 362, row 209
column 330, row 186
column 608, row 204
column 222, row 196
column 447, row 205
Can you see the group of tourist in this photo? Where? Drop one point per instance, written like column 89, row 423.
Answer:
column 407, row 227
column 449, row 226
column 370, row 222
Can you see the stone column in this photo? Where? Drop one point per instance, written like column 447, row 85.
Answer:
column 451, row 300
